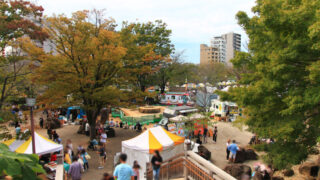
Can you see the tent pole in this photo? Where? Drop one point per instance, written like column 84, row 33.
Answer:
column 32, row 131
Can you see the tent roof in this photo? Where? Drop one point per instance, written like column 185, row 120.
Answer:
column 43, row 145
column 74, row 107
column 181, row 118
column 153, row 139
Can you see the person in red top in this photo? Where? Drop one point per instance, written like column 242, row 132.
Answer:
column 54, row 157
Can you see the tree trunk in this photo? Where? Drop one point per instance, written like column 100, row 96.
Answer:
column 92, row 118
column 104, row 115
column 162, row 88
column 92, row 130
column 163, row 84
column 143, row 88
column 3, row 92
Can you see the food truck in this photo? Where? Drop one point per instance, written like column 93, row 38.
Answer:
column 223, row 109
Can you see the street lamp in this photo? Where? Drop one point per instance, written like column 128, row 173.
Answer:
column 31, row 102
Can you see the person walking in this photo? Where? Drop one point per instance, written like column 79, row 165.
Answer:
column 156, row 164
column 233, row 148
column 41, row 122
column 18, row 130
column 49, row 132
column 123, row 171
column 87, row 129
column 85, row 157
column 215, row 134
column 198, row 141
column 67, row 158
column 205, row 132
column 227, row 150
column 75, row 169
column 136, row 168
column 70, row 148
column 20, row 114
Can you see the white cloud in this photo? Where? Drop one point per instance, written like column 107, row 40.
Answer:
column 192, row 21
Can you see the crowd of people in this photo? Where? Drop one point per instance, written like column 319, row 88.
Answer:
column 202, row 137
column 122, row 171
column 75, row 163
column 78, row 163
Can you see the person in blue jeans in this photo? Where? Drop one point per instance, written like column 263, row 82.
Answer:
column 123, row 171
column 156, row 164
column 233, row 148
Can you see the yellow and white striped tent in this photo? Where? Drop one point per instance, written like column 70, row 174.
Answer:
column 42, row 144
column 153, row 139
column 141, row 147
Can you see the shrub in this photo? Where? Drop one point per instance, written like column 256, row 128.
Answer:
column 6, row 116
column 284, row 158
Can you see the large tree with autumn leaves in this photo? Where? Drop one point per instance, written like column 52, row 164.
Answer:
column 91, row 61
column 86, row 59
column 17, row 18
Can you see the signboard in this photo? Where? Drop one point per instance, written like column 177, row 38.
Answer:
column 31, row 101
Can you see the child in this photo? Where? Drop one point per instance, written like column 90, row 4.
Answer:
column 102, row 156
column 136, row 168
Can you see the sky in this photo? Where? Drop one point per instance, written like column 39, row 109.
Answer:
column 193, row 22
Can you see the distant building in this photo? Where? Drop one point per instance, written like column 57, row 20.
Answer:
column 208, row 54
column 233, row 44
column 226, row 45
column 220, row 43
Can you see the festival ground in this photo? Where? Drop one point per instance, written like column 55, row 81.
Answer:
column 218, row 152
column 113, row 146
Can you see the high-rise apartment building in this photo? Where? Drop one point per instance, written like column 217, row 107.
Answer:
column 225, row 46
column 220, row 43
column 208, row 54
column 233, row 44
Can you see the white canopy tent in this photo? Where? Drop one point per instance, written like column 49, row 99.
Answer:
column 141, row 148
column 181, row 118
column 42, row 145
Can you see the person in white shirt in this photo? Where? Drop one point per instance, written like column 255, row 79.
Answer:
column 111, row 123
column 20, row 114
column 103, row 139
column 87, row 129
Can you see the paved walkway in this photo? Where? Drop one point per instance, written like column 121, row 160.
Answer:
column 225, row 131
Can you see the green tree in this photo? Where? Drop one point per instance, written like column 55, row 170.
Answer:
column 167, row 70
column 18, row 18
column 87, row 57
column 149, row 47
column 181, row 72
column 280, row 91
column 213, row 73
column 19, row 166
